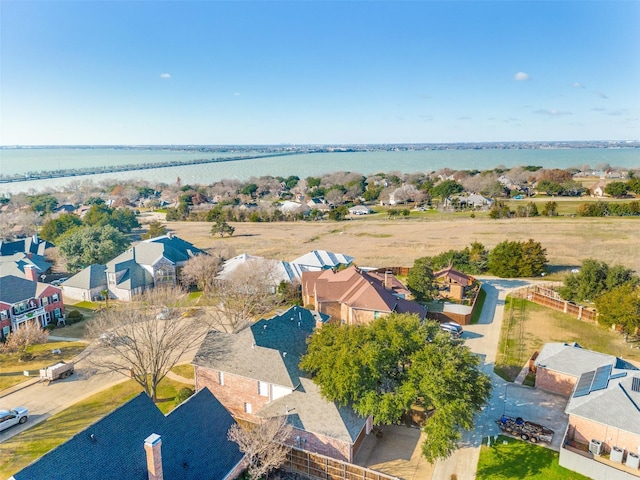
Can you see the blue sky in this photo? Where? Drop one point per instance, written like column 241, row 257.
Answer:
column 119, row 72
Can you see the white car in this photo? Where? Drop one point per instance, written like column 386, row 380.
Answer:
column 9, row 418
column 455, row 329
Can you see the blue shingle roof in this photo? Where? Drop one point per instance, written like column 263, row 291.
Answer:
column 194, row 444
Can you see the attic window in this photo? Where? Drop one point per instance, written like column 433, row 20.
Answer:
column 248, row 408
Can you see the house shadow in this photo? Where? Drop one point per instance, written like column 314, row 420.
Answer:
column 467, row 335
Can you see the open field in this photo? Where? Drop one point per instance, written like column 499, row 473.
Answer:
column 533, row 325
column 376, row 241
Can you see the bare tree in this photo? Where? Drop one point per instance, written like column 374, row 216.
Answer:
column 201, row 271
column 244, row 295
column 145, row 338
column 263, row 444
column 22, row 338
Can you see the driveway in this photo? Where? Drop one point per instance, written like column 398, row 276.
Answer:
column 482, row 339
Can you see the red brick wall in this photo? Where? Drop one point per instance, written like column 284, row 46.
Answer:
column 235, row 392
column 583, row 431
column 555, row 382
column 316, row 443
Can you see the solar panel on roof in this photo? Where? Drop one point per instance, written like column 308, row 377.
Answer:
column 601, row 379
column 584, row 384
column 635, row 384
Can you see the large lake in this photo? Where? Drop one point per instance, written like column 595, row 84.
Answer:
column 25, row 160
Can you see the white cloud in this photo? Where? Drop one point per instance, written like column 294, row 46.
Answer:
column 521, row 77
column 165, row 75
column 602, row 95
column 577, row 85
column 552, row 112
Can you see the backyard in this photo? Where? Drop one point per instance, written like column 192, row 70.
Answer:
column 527, row 326
column 512, row 459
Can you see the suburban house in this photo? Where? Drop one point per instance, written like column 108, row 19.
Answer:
column 558, row 366
column 598, row 189
column 453, row 283
column 275, row 271
column 18, row 263
column 293, row 208
column 152, row 262
column 353, row 296
column 32, row 246
column 318, row 260
column 86, row 285
column 136, row 441
column 255, row 375
column 602, row 440
column 359, row 210
column 319, row 203
column 24, row 300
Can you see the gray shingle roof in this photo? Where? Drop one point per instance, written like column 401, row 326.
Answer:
column 194, row 444
column 93, row 276
column 572, row 359
column 258, row 353
column 617, row 406
column 32, row 244
column 15, row 289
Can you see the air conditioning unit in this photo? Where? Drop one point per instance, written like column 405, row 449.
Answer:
column 595, row 447
column 616, row 454
column 633, row 460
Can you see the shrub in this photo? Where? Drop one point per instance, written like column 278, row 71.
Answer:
column 183, row 394
column 74, row 316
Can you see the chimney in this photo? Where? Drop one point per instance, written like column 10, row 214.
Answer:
column 388, row 280
column 30, row 273
column 152, row 446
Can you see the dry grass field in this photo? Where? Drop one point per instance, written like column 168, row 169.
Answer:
column 377, row 241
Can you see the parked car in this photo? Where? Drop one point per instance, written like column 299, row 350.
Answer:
column 9, row 418
column 453, row 328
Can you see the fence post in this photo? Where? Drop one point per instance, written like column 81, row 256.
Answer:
column 580, row 312
column 566, row 303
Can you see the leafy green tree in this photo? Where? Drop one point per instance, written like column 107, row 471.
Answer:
column 478, row 258
column 372, row 192
column 124, row 220
column 291, row 181
column 499, row 209
column 339, row 213
column 55, row 227
column 534, row 259
column 249, row 189
column 616, row 189
column 619, row 275
column 313, row 182
column 550, row 209
column 588, row 283
column 397, row 361
column 550, row 187
column 42, row 203
column 420, row 279
column 87, row 245
column 446, row 188
column 633, row 185
column 156, row 229
column 517, row 259
column 528, row 210
column 222, row 228
column 620, row 306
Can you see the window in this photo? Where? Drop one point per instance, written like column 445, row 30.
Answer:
column 45, row 301
column 165, row 274
column 57, row 313
column 55, row 298
column 376, row 314
column 221, row 378
column 263, row 389
column 247, row 408
column 4, row 314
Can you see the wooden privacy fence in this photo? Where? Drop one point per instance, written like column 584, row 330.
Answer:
column 549, row 298
column 319, row 467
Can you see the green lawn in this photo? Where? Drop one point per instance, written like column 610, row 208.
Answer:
column 516, row 460
column 477, row 311
column 185, row 371
column 24, row 448
column 12, row 369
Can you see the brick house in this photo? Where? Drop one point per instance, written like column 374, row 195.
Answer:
column 136, row 441
column 453, row 283
column 25, row 300
column 255, row 375
column 353, row 296
column 559, row 366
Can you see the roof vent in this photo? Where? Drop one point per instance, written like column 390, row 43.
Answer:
column 635, row 384
column 284, row 354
